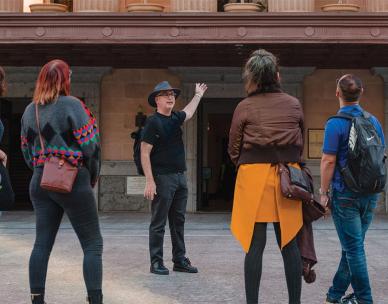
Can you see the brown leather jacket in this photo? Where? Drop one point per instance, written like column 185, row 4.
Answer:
column 267, row 128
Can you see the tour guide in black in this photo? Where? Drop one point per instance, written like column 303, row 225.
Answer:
column 163, row 162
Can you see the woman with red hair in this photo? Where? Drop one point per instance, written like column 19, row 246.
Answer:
column 69, row 132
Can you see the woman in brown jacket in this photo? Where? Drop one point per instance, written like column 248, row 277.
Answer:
column 267, row 129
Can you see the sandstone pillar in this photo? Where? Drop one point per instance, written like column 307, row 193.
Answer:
column 11, row 6
column 83, row 6
column 194, row 5
column 291, row 5
column 383, row 73
column 377, row 5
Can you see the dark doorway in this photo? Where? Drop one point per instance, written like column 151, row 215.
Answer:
column 216, row 172
column 11, row 111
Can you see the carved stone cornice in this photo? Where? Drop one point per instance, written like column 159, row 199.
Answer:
column 178, row 28
column 382, row 72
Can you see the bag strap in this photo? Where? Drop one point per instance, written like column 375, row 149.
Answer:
column 38, row 125
column 342, row 115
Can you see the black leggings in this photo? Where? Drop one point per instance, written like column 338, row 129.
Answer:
column 80, row 207
column 253, row 265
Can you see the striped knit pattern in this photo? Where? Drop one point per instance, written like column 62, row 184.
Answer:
column 88, row 133
column 69, row 131
column 73, row 157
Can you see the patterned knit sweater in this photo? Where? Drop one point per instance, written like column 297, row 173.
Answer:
column 69, row 131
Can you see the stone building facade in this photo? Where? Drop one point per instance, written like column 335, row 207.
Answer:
column 118, row 58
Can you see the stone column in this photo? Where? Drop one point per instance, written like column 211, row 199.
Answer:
column 11, row 6
column 292, row 80
column 82, row 6
column 383, row 73
column 377, row 5
column 223, row 83
column 86, row 84
column 291, row 5
column 194, row 5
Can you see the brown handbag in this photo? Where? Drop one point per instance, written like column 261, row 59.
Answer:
column 297, row 184
column 58, row 174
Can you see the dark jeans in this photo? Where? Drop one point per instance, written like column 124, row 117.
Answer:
column 80, row 207
column 170, row 201
column 352, row 215
column 254, row 261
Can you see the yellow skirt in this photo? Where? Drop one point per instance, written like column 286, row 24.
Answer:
column 258, row 198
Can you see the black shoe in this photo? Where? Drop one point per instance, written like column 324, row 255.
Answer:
column 185, row 266
column 159, row 268
column 95, row 299
column 37, row 299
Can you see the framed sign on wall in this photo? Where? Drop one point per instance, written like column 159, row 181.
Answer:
column 314, row 143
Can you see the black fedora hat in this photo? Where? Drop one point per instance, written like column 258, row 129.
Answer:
column 162, row 86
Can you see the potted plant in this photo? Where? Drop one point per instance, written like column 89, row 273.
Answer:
column 340, row 7
column 48, row 6
column 145, row 7
column 244, row 6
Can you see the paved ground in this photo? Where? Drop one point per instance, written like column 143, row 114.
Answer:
column 210, row 247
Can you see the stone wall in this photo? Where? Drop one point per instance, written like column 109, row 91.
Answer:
column 318, row 107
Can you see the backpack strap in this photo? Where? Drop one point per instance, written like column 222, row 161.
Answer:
column 366, row 114
column 342, row 115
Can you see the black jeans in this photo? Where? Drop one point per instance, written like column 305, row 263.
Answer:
column 80, row 207
column 170, row 201
column 253, row 265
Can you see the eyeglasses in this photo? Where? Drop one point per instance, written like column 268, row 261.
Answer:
column 167, row 93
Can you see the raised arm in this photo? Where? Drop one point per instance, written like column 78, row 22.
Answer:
column 200, row 89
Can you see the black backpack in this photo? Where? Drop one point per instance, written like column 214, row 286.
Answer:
column 365, row 171
column 136, row 150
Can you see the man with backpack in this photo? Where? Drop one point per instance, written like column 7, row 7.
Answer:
column 353, row 163
column 164, row 164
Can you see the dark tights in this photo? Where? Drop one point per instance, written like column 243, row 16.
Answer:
column 253, row 265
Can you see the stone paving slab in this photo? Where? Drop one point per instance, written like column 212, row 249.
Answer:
column 210, row 247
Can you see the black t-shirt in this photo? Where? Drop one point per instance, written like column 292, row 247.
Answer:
column 164, row 133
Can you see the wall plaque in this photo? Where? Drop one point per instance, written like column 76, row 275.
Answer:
column 135, row 185
column 315, row 142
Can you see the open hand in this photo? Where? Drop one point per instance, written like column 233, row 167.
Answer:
column 200, row 89
column 150, row 190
